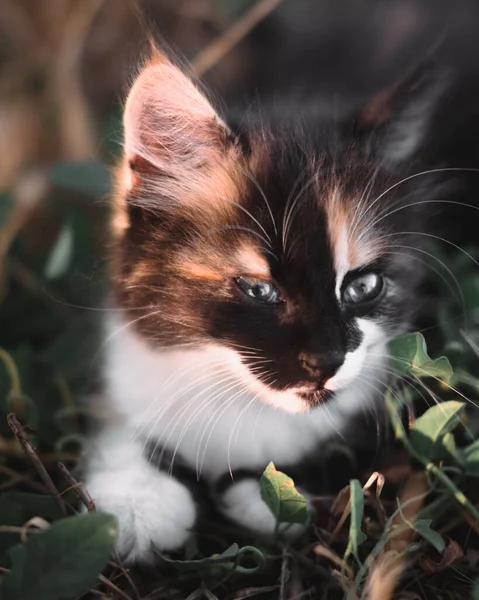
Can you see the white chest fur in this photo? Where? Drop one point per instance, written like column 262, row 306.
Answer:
column 204, row 405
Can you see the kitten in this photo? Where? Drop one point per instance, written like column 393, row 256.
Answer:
column 260, row 268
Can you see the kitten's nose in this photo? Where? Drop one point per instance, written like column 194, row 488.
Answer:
column 321, row 366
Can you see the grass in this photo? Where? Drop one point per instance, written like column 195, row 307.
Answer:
column 409, row 531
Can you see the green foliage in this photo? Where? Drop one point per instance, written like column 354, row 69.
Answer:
column 62, row 562
column 410, row 357
column 423, row 528
column 229, row 561
column 356, row 535
column 282, row 498
column 428, row 431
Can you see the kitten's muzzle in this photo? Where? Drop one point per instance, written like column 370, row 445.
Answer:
column 321, row 367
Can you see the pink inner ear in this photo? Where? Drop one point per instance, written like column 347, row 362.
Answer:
column 167, row 118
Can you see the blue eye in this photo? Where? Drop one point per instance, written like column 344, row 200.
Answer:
column 262, row 291
column 363, row 289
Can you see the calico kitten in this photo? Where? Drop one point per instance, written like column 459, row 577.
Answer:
column 260, row 267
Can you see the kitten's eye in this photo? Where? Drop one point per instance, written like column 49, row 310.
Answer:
column 262, row 291
column 363, row 289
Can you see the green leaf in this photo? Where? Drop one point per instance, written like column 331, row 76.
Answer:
column 470, row 455
column 62, row 562
column 87, row 177
column 410, row 357
column 282, row 498
column 18, row 507
column 229, row 560
column 428, row 431
column 423, row 528
column 356, row 535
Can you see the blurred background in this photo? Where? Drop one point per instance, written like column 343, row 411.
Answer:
column 65, row 67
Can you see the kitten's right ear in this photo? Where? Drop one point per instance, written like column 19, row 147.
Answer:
column 398, row 120
column 177, row 148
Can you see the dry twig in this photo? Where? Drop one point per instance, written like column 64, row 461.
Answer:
column 78, row 487
column 18, row 432
column 215, row 51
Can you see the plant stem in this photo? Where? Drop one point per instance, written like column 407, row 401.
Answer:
column 16, row 389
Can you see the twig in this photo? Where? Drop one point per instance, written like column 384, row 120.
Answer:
column 114, row 587
column 119, row 565
column 17, row 430
column 17, row 478
column 78, row 487
column 76, row 129
column 215, row 51
column 285, row 574
column 254, row 591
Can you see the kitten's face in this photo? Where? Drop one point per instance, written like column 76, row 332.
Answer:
column 275, row 244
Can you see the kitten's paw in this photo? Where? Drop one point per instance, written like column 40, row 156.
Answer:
column 243, row 504
column 155, row 512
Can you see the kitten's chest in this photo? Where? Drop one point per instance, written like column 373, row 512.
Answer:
column 195, row 406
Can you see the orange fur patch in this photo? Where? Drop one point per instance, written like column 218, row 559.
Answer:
column 349, row 252
column 251, row 262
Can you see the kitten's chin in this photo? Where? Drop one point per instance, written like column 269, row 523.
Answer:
column 313, row 399
column 296, row 400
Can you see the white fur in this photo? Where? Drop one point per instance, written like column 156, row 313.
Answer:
column 354, row 361
column 206, row 406
column 154, row 511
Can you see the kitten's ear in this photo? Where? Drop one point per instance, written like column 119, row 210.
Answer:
column 398, row 120
column 176, row 145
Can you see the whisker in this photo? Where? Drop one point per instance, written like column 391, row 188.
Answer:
column 403, row 207
column 247, row 212
column 243, row 228
column 458, row 294
column 422, row 173
column 225, row 406
column 289, row 218
column 437, row 237
column 196, row 414
column 263, row 195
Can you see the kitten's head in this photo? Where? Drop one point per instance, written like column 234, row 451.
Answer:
column 286, row 241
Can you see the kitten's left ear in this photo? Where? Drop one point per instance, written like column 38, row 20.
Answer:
column 176, row 145
column 398, row 120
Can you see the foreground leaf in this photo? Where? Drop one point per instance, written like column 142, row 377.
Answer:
column 423, row 528
column 62, row 562
column 471, row 458
column 356, row 535
column 410, row 357
column 429, row 430
column 282, row 498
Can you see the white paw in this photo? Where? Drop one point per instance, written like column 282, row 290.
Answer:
column 154, row 511
column 243, row 504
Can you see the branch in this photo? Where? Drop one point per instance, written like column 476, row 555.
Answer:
column 30, row 451
column 215, row 51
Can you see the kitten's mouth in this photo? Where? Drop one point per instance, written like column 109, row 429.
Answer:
column 315, row 397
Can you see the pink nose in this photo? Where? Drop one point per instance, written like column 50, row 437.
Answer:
column 321, row 366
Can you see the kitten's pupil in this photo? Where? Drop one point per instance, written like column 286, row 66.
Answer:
column 363, row 289
column 263, row 291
